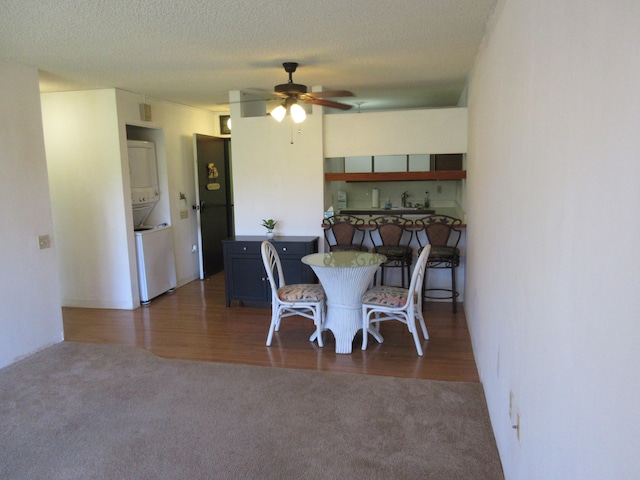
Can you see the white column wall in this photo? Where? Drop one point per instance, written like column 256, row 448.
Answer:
column 30, row 312
column 274, row 178
column 88, row 197
column 552, row 267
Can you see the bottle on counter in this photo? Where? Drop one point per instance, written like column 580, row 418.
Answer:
column 387, row 203
column 426, row 199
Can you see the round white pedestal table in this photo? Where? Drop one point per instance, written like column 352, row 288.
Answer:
column 345, row 276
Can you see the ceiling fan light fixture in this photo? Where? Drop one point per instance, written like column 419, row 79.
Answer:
column 298, row 115
column 279, row 112
column 294, row 94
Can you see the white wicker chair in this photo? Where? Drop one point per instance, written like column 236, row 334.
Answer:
column 383, row 303
column 306, row 300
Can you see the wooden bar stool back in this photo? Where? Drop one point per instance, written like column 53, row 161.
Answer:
column 344, row 233
column 443, row 234
column 391, row 236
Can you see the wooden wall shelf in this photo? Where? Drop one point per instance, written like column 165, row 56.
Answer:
column 396, row 176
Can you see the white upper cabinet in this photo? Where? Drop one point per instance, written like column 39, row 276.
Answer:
column 419, row 163
column 390, row 163
column 360, row 164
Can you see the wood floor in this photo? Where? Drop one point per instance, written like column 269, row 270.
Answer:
column 193, row 323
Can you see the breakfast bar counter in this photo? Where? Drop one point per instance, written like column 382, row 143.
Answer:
column 387, row 211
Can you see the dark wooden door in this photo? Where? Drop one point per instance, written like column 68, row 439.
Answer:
column 214, row 200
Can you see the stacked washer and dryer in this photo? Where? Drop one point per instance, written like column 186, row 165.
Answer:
column 154, row 243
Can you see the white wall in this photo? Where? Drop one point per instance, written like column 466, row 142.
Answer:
column 178, row 124
column 552, row 268
column 30, row 313
column 439, row 130
column 274, row 178
column 85, row 135
column 420, row 131
column 89, row 199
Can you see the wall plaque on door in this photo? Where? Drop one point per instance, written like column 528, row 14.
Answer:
column 212, row 174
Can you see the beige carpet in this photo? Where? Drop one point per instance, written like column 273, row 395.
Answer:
column 80, row 411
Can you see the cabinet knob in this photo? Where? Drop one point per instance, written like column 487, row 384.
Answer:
column 284, row 249
column 244, row 248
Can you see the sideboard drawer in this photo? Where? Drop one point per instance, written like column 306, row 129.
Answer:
column 251, row 248
column 290, row 248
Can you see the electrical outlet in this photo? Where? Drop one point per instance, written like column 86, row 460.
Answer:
column 194, row 249
column 44, row 242
column 438, row 189
column 184, row 214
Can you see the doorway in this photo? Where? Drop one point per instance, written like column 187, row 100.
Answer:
column 214, row 200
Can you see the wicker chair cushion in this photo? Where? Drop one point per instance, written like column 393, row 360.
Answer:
column 302, row 292
column 386, row 296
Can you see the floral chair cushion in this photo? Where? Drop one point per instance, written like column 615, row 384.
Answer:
column 303, row 292
column 395, row 297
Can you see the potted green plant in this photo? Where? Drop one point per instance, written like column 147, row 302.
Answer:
column 269, row 225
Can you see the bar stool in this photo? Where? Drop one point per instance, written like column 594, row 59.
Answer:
column 391, row 236
column 443, row 234
column 344, row 233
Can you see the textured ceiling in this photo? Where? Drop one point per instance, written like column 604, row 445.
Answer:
column 390, row 54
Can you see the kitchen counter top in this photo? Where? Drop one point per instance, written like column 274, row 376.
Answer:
column 414, row 213
column 388, row 211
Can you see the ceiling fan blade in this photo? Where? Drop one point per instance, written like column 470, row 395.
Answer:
column 328, row 103
column 250, row 95
column 260, row 93
column 331, row 94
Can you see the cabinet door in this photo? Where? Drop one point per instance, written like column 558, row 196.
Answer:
column 446, row 161
column 248, row 279
column 357, row 164
column 291, row 254
column 244, row 273
column 419, row 163
column 292, row 269
column 390, row 163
